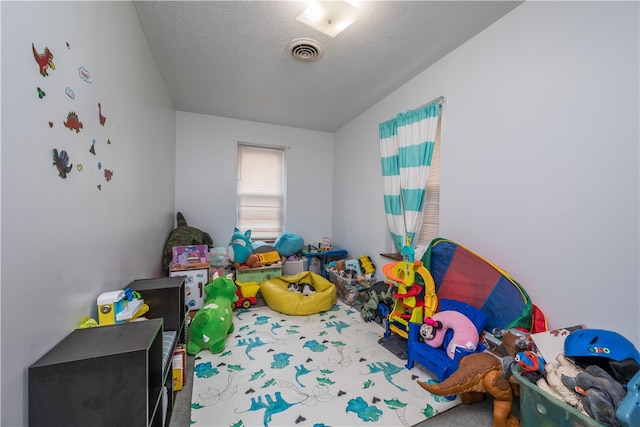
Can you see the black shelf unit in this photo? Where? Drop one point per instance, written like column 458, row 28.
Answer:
column 102, row 376
column 165, row 297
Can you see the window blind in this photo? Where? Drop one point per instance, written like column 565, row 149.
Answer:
column 431, row 220
column 260, row 190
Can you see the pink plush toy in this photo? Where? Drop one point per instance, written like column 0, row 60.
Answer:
column 465, row 334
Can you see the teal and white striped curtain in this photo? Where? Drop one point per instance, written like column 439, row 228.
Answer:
column 406, row 148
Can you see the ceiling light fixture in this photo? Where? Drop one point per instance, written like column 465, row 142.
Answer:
column 329, row 17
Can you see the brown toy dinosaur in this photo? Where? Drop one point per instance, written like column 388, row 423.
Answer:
column 481, row 373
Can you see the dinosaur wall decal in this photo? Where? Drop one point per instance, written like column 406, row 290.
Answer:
column 44, row 60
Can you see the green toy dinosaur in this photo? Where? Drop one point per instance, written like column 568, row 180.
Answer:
column 213, row 322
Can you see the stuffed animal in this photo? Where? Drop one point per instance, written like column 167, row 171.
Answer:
column 214, row 321
column 183, row 235
column 555, row 386
column 529, row 361
column 602, row 394
column 434, row 329
column 218, row 257
column 288, row 244
column 240, row 246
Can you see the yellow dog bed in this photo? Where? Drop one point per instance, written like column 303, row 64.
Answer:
column 278, row 297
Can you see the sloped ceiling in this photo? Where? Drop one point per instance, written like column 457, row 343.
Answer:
column 229, row 58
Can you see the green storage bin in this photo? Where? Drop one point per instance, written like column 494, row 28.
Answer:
column 260, row 274
column 540, row 409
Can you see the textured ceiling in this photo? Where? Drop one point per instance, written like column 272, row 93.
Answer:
column 229, row 59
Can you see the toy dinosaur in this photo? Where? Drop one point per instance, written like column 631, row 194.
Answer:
column 213, row 322
column 44, row 60
column 481, row 373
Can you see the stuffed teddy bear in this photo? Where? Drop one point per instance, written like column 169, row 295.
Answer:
column 465, row 334
column 214, row 321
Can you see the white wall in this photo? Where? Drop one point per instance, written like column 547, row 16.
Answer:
column 64, row 241
column 539, row 158
column 206, row 174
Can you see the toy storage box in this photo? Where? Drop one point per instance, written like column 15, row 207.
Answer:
column 539, row 408
column 348, row 290
column 290, row 268
column 259, row 274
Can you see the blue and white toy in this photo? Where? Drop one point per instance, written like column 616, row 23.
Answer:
column 240, row 246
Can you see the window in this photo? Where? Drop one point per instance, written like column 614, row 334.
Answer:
column 261, row 190
column 431, row 220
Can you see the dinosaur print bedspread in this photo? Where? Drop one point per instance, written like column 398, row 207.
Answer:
column 320, row 370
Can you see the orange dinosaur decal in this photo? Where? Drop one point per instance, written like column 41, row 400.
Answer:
column 72, row 122
column 44, row 60
column 100, row 116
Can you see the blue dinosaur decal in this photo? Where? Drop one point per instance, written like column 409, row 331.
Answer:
column 429, row 412
column 280, row 360
column 388, row 369
column 205, row 370
column 300, row 371
column 250, row 344
column 397, row 405
column 315, row 346
column 363, row 410
column 339, row 325
column 262, row 320
column 241, row 311
column 269, row 383
column 324, row 381
column 271, row 406
column 256, row 375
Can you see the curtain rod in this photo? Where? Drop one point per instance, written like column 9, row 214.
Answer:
column 267, row 146
column 440, row 100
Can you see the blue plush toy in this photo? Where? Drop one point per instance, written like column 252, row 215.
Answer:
column 288, row 244
column 240, row 246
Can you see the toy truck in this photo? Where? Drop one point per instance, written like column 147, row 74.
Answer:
column 246, row 293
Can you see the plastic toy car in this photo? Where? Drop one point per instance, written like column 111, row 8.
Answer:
column 246, row 293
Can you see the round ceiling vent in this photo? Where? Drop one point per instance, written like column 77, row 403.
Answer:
column 305, row 50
